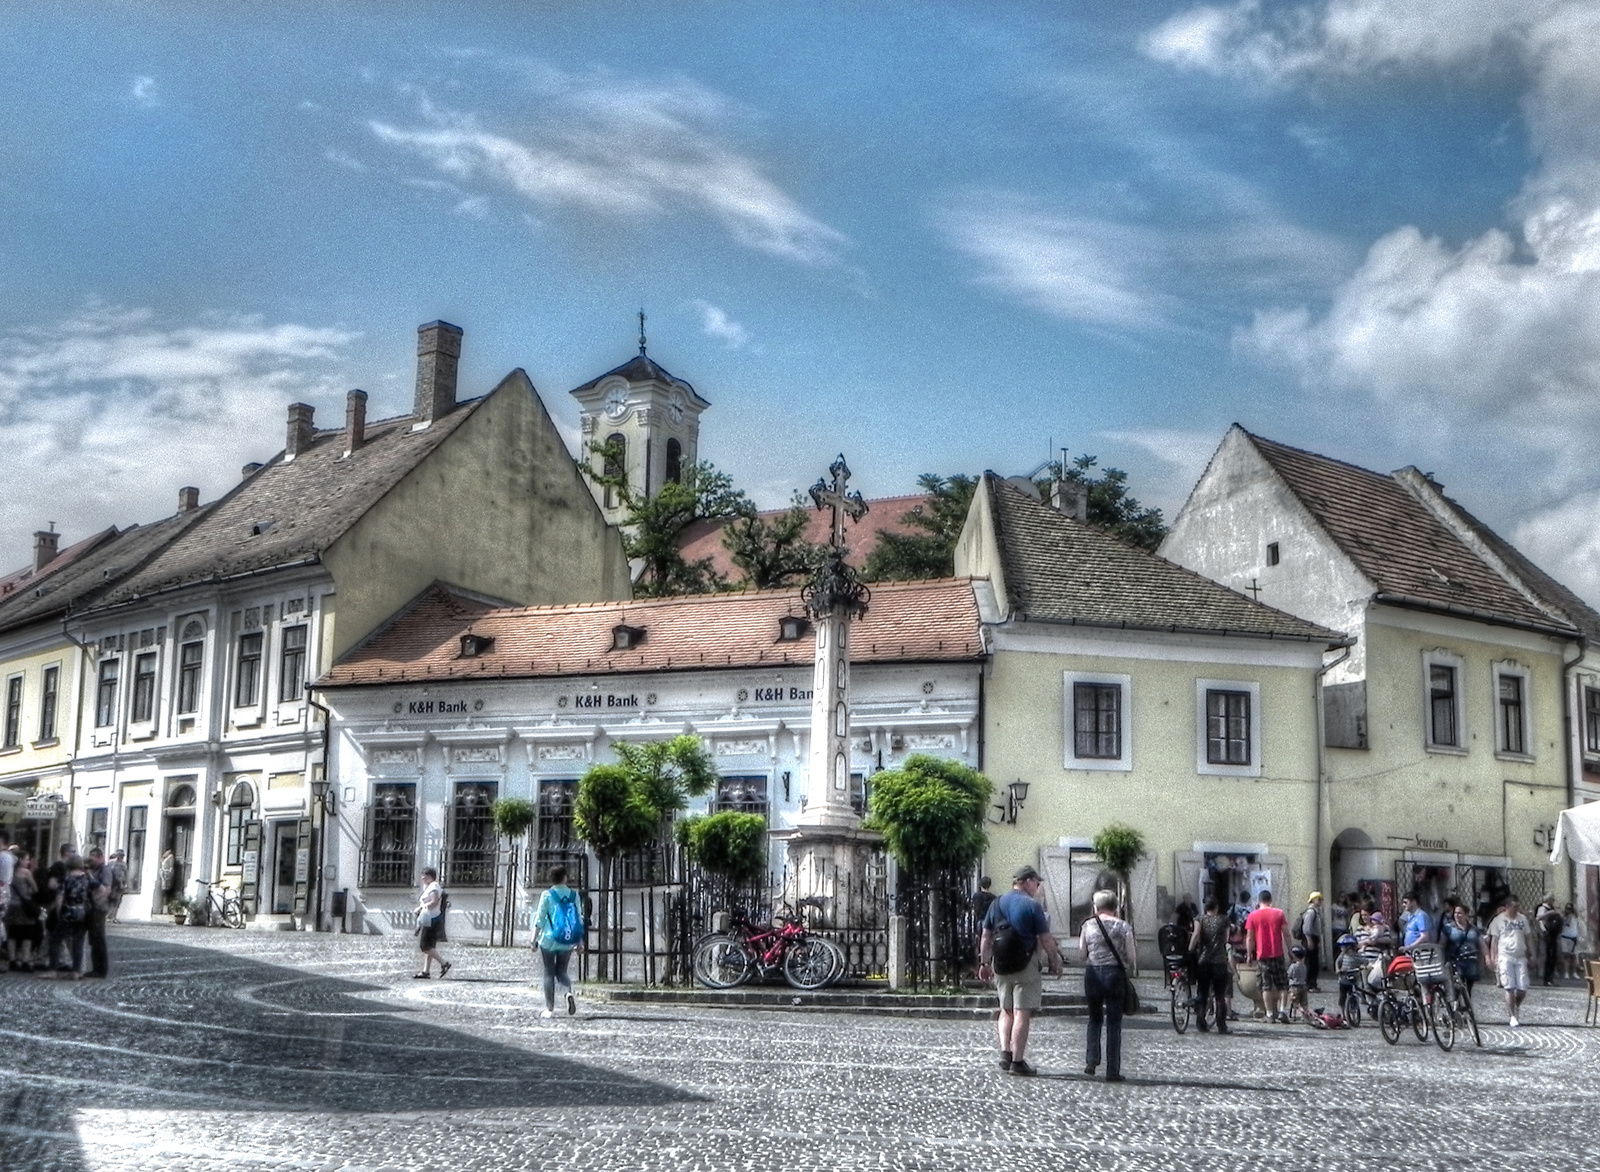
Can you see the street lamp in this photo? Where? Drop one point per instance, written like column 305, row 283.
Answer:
column 1016, row 795
column 322, row 804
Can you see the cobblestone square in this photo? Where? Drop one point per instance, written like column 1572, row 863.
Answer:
column 210, row 1050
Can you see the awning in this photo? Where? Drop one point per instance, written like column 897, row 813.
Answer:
column 12, row 804
column 1578, row 835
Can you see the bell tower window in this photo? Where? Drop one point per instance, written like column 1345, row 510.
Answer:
column 614, row 467
column 674, row 461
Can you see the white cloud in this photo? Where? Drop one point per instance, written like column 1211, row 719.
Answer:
column 717, row 324
column 622, row 148
column 112, row 411
column 143, row 92
column 1564, row 540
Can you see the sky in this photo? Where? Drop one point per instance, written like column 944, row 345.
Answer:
column 939, row 237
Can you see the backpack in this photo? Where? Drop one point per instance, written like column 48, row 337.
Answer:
column 566, row 926
column 1011, row 953
column 75, row 898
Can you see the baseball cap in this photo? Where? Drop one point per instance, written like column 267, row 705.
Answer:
column 1023, row 873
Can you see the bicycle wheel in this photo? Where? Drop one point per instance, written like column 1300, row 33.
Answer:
column 808, row 964
column 1442, row 1019
column 1182, row 1004
column 836, row 955
column 1417, row 1014
column 1350, row 1009
column 1464, row 1011
column 1389, row 1020
column 721, row 962
column 232, row 913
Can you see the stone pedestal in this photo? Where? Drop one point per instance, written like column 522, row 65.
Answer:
column 823, row 862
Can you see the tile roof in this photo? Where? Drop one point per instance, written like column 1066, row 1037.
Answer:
column 28, row 576
column 704, row 538
column 935, row 621
column 292, row 510
column 1397, row 541
column 1059, row 569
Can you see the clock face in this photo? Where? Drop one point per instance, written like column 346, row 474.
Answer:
column 675, row 406
column 617, row 402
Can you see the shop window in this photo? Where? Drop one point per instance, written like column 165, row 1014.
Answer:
column 13, row 712
column 741, row 795
column 137, row 820
column 191, row 664
column 557, row 843
column 240, row 806
column 49, row 696
column 144, row 688
column 1511, row 726
column 247, row 684
column 391, row 836
column 471, row 836
column 105, row 700
column 292, row 664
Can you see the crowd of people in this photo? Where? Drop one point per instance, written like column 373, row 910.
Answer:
column 53, row 924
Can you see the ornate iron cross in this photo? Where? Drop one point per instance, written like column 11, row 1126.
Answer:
column 843, row 503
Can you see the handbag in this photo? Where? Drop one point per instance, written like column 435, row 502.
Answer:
column 1130, row 995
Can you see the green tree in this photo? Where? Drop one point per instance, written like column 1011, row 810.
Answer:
column 774, row 553
column 1120, row 848
column 929, row 550
column 730, row 844
column 1110, row 506
column 931, row 814
column 512, row 818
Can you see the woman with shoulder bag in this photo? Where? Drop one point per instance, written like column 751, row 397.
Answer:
column 1110, row 960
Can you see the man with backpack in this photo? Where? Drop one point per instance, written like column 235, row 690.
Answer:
column 1308, row 934
column 1016, row 931
column 557, row 931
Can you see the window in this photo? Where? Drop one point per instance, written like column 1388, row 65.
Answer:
column 13, row 712
column 1512, row 724
column 1591, row 718
column 138, row 818
column 792, row 627
column 625, row 638
column 391, row 836
column 181, row 797
column 471, row 836
column 240, row 807
column 1227, row 727
column 1097, row 720
column 247, row 688
column 1272, row 553
column 613, row 467
column 860, row 792
column 1443, row 727
column 105, row 700
column 95, row 838
column 47, row 703
column 674, row 461
column 292, row 664
column 144, row 688
column 191, row 661
column 741, row 795
column 557, row 843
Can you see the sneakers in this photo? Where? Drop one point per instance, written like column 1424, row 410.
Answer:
column 1089, row 1070
column 1005, row 1060
column 422, row 976
column 1515, row 1024
column 444, row 967
column 1020, row 1066
column 572, row 1004
column 544, row 1013
column 1115, row 1078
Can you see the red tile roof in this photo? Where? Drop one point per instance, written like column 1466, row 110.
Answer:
column 704, row 538
column 934, row 621
column 11, row 582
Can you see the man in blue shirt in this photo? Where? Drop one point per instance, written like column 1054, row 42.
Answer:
column 1021, row 992
column 1418, row 923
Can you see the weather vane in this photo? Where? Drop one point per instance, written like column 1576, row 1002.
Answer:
column 641, row 332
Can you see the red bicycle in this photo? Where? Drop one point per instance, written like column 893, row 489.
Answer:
column 723, row 960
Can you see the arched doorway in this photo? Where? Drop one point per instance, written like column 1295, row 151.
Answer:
column 1352, row 859
column 178, row 839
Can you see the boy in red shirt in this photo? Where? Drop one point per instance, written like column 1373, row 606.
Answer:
column 1266, row 941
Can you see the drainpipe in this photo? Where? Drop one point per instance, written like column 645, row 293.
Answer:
column 1321, row 870
column 322, row 833
column 1569, row 706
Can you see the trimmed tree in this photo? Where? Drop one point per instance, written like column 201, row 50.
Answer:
column 1120, row 848
column 512, row 817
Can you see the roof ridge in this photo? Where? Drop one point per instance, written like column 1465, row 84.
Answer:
column 1261, row 439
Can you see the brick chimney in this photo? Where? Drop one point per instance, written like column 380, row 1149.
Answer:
column 1071, row 498
column 249, row 470
column 355, row 420
column 301, row 429
column 45, row 544
column 188, row 500
column 438, row 353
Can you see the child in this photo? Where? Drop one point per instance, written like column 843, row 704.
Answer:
column 1348, row 968
column 1298, row 1007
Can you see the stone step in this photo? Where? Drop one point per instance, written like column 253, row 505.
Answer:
column 269, row 923
column 867, row 1001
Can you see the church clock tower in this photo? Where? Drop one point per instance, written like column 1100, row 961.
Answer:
column 650, row 416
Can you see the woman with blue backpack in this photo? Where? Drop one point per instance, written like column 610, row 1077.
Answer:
column 557, row 932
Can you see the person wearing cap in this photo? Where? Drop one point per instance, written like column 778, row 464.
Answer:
column 119, row 884
column 1021, row 993
column 1311, row 938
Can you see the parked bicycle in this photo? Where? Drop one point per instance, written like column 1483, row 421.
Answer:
column 224, row 909
column 1449, row 1004
column 723, row 960
column 1400, row 1005
column 1179, row 981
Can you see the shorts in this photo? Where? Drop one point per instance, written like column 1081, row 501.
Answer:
column 1024, row 990
column 1274, row 974
column 1513, row 974
column 428, row 937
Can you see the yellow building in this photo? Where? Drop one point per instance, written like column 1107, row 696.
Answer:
column 1451, row 728
column 1124, row 689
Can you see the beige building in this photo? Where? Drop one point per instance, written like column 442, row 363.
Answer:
column 1449, row 743
column 1122, row 688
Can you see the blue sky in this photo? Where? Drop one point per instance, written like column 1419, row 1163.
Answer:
column 935, row 237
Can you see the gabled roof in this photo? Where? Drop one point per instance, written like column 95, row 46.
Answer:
column 935, row 621
column 641, row 368
column 89, row 576
column 292, row 510
column 31, row 578
column 1062, row 570
column 703, row 539
column 1399, row 543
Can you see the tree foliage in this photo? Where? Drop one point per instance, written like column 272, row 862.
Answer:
column 929, row 551
column 1110, row 506
column 773, row 553
column 612, row 813
column 1119, row 847
column 931, row 814
column 730, row 844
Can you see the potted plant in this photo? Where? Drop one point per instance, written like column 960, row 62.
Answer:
column 199, row 913
column 178, row 909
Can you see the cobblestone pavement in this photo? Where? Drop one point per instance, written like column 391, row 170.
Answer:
column 210, row 1050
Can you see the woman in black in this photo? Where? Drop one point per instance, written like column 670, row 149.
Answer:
column 1209, row 944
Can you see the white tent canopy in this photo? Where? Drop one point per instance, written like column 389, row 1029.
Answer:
column 1578, row 835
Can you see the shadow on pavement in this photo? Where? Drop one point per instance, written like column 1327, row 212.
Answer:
column 196, row 1030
